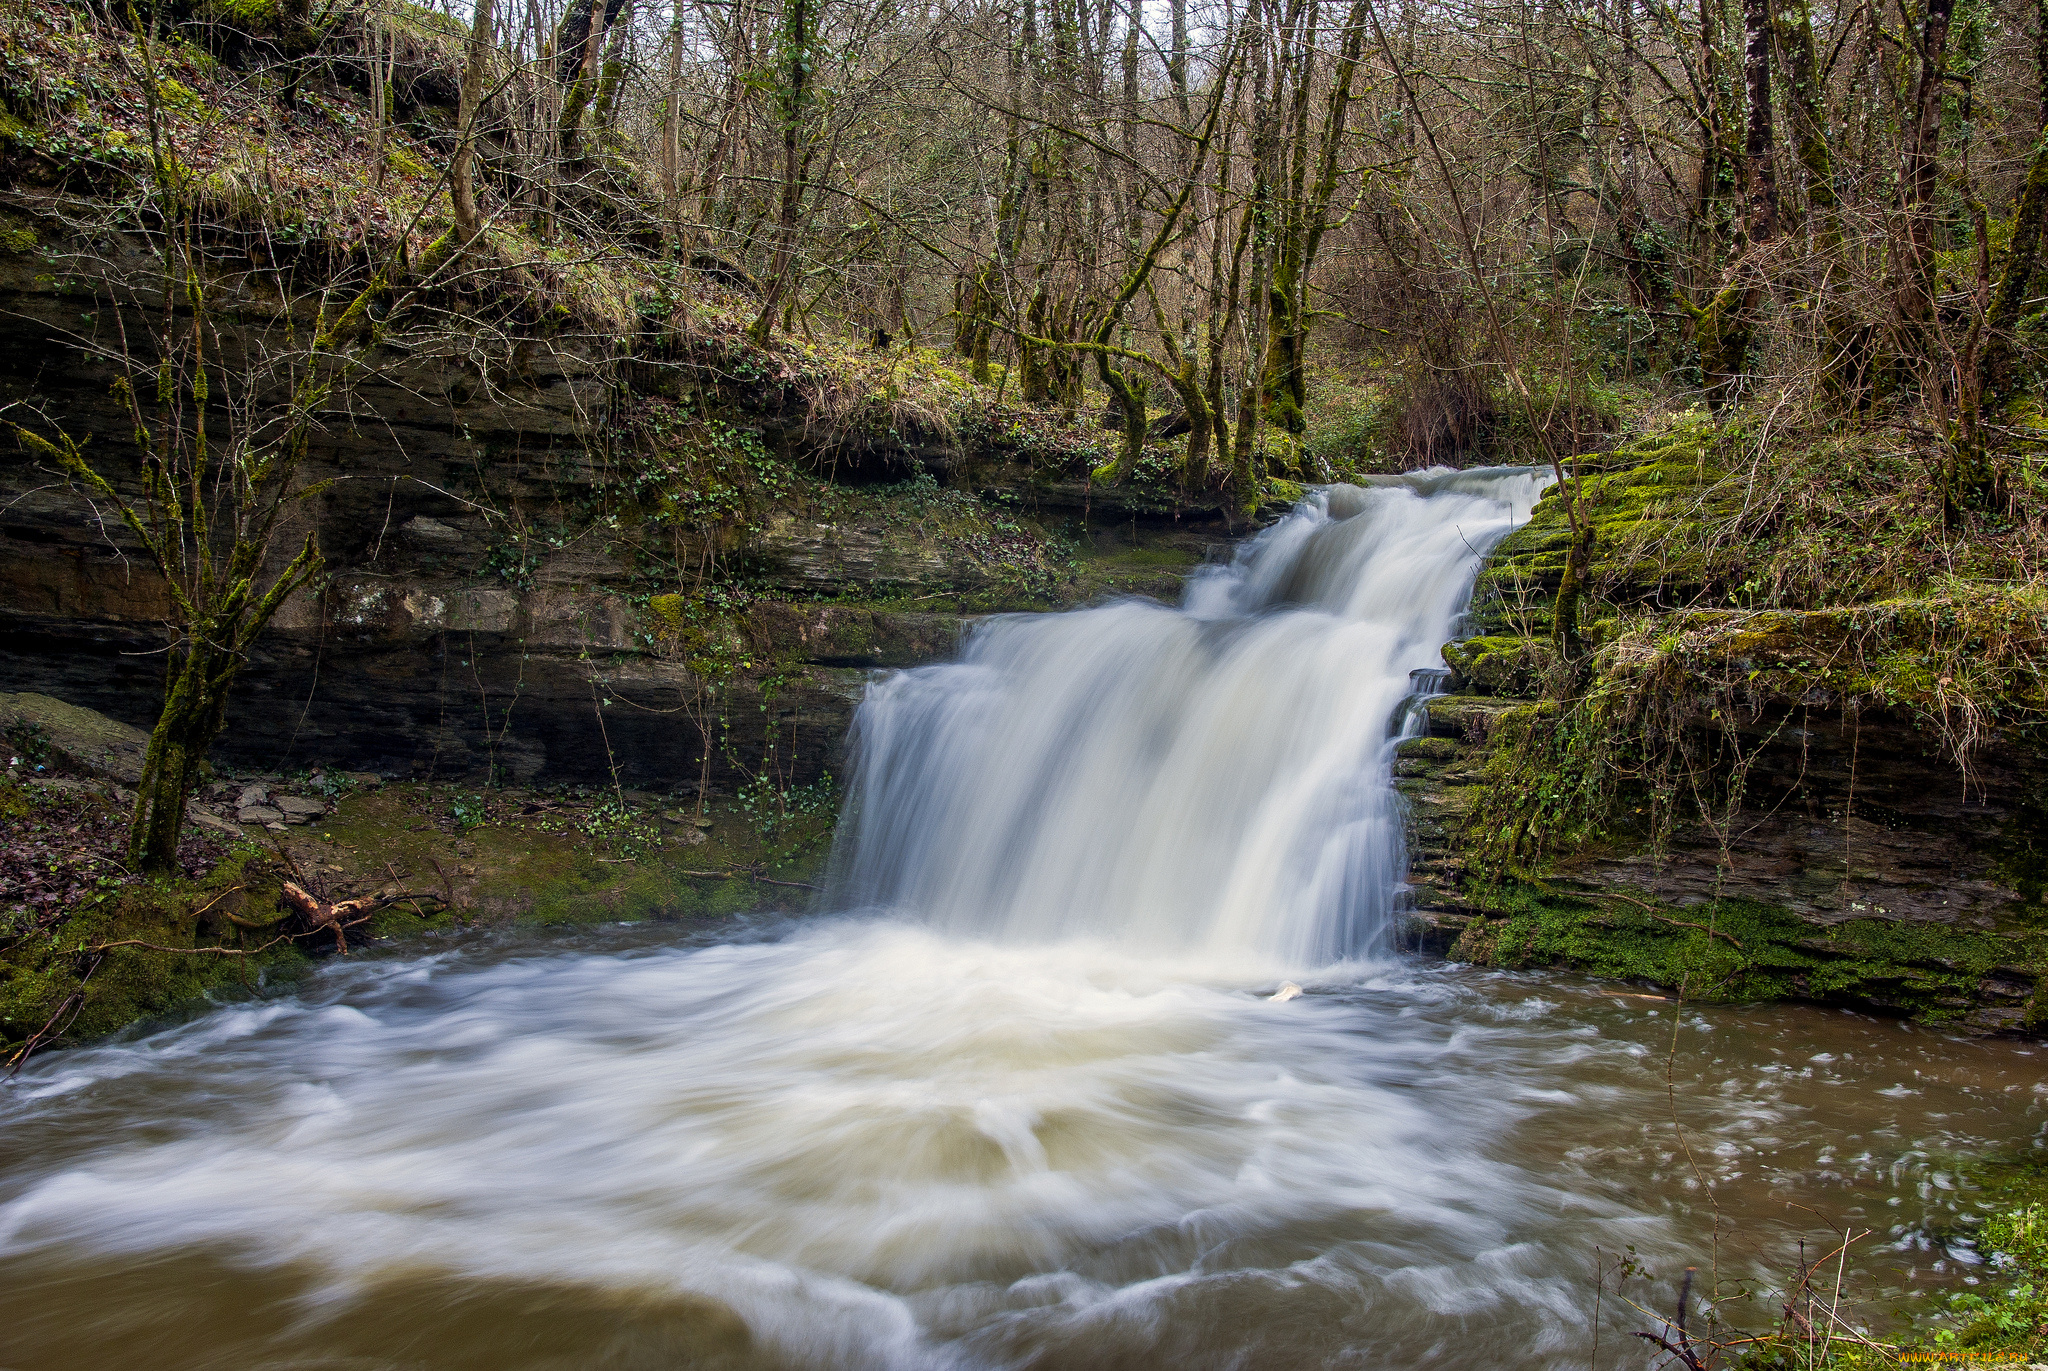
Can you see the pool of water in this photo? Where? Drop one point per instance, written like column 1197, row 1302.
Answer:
column 863, row 1142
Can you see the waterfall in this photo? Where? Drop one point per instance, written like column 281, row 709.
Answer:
column 1046, row 1114
column 1209, row 779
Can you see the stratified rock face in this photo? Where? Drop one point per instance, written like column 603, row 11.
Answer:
column 1864, row 867
column 422, row 654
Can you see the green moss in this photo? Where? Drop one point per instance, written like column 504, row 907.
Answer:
column 1731, row 950
column 401, row 160
column 178, row 98
column 63, row 978
column 16, row 131
column 1431, row 749
column 1501, row 665
column 254, row 16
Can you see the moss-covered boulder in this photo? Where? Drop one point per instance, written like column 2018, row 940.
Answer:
column 78, row 738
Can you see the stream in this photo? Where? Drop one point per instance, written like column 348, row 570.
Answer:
column 1020, row 1094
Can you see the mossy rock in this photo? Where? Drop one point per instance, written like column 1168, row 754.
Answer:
column 1508, row 667
column 81, row 738
column 1735, row 950
column 1431, row 749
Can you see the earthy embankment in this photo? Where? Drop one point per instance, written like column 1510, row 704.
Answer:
column 1839, row 803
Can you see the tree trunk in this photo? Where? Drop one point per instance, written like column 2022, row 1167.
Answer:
column 1760, row 175
column 462, row 172
column 195, row 707
column 1846, row 343
column 2030, row 211
column 612, row 68
column 1919, row 176
column 578, row 41
column 1726, row 325
column 794, row 98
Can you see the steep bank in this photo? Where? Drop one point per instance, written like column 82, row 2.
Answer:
column 1830, row 794
column 515, row 587
column 577, row 527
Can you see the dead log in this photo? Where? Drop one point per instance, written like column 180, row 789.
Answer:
column 342, row 915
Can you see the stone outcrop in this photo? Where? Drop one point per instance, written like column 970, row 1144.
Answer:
column 476, row 620
column 79, row 739
column 1860, row 869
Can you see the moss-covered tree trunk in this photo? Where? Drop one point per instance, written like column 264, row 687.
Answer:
column 1312, row 176
column 1845, row 343
column 1033, row 360
column 1187, row 388
column 793, row 98
column 195, row 709
column 578, row 39
column 1571, row 588
column 1128, row 394
column 1726, row 325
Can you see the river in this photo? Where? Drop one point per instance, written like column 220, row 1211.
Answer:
column 1022, row 1093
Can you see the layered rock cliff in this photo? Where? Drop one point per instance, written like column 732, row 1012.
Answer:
column 1839, row 803
column 489, row 514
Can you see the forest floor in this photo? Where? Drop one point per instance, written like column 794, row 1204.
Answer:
column 457, row 857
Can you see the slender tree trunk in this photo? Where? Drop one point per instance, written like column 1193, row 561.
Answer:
column 672, row 131
column 2022, row 255
column 462, row 171
column 612, row 68
column 1725, row 327
column 381, row 67
column 1843, row 339
column 795, row 98
column 1919, row 176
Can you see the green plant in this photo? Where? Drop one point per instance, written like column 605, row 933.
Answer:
column 27, row 740
column 469, row 811
column 770, row 808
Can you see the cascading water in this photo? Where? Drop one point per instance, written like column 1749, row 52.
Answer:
column 1209, row 779
column 1031, row 1107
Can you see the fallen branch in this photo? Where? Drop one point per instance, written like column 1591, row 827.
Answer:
column 342, row 915
column 748, row 872
column 447, row 885
column 1651, row 910
column 74, row 1002
column 215, row 951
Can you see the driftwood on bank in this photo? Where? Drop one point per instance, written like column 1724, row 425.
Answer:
column 342, row 915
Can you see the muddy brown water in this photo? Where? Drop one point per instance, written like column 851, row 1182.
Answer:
column 858, row 1143
column 1050, row 1114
